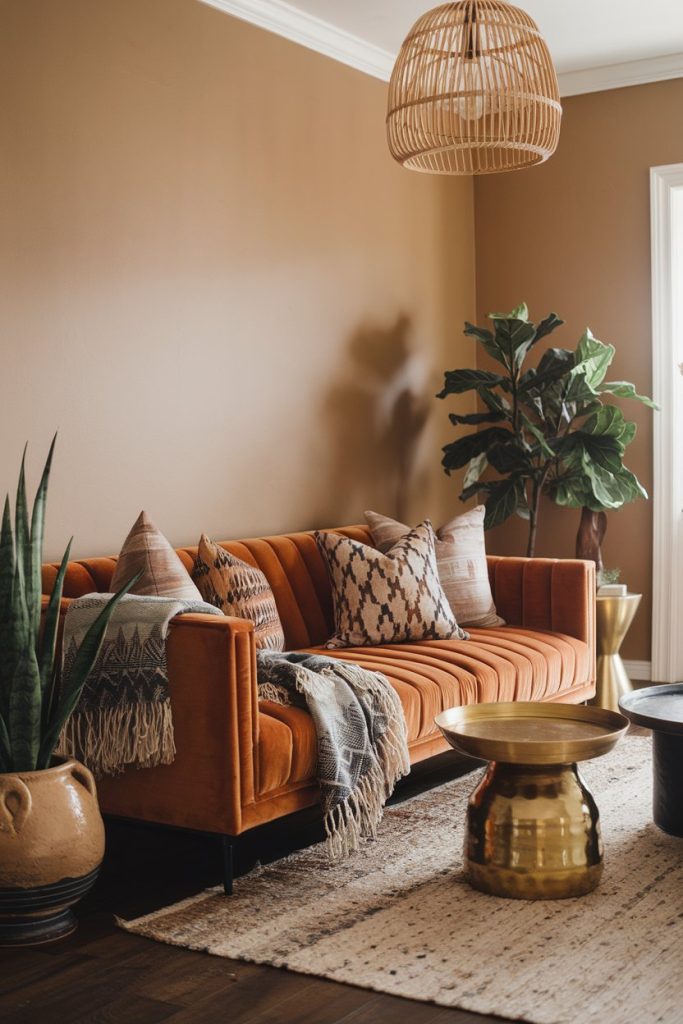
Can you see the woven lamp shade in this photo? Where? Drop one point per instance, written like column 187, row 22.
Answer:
column 473, row 91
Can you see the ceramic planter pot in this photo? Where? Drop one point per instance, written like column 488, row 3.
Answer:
column 51, row 848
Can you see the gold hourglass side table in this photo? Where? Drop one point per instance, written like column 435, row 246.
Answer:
column 533, row 827
column 614, row 615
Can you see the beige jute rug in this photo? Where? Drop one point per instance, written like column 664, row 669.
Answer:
column 398, row 916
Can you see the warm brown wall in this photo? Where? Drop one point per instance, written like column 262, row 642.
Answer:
column 215, row 281
column 573, row 236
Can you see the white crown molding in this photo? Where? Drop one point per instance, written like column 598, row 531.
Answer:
column 314, row 33
column 638, row 670
column 286, row 20
column 620, row 76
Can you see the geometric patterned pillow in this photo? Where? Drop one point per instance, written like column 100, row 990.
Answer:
column 460, row 559
column 387, row 598
column 238, row 589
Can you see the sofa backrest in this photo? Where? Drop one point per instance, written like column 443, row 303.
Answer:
column 291, row 563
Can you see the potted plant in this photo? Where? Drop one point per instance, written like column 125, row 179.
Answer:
column 543, row 429
column 51, row 832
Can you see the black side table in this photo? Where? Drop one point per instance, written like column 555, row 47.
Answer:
column 660, row 708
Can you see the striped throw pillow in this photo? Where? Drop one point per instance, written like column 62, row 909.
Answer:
column 461, row 562
column 146, row 550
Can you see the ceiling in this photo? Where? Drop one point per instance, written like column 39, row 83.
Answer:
column 580, row 33
column 595, row 44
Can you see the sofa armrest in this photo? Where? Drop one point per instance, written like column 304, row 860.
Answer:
column 212, row 683
column 546, row 593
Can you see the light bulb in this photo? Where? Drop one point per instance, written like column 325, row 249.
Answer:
column 472, row 101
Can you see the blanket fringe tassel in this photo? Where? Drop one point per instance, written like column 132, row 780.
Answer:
column 359, row 815
column 108, row 739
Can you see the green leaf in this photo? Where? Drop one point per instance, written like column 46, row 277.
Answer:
column 533, row 403
column 458, row 381
column 508, row 457
column 578, row 389
column 21, row 530
column 480, row 333
column 489, row 342
column 622, row 389
column 48, row 642
column 7, row 569
column 513, row 339
column 473, row 418
column 6, row 561
column 588, row 408
column 23, row 700
column 571, row 492
column 458, row 453
column 520, row 312
column 538, row 435
column 593, row 359
column 477, row 487
column 604, row 450
column 628, row 486
column 5, row 747
column 555, row 364
column 494, row 402
column 72, row 686
column 547, row 326
column 628, row 434
column 476, row 467
column 24, row 712
column 607, row 421
column 591, row 484
column 501, row 503
column 34, row 568
column 602, row 484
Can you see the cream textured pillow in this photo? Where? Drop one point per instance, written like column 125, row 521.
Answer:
column 386, row 598
column 146, row 550
column 238, row 589
column 461, row 561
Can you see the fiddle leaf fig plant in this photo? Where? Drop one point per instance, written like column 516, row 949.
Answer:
column 543, row 429
column 35, row 700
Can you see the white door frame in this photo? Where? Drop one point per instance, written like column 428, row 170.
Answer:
column 666, row 192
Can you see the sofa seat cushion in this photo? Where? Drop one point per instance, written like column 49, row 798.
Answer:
column 507, row 663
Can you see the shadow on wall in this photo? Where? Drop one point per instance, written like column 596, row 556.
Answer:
column 373, row 419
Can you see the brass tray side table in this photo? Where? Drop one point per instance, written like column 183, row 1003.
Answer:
column 533, row 828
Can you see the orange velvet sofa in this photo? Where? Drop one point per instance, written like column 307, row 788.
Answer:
column 242, row 762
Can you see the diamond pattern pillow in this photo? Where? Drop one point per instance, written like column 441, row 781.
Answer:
column 146, row 550
column 461, row 562
column 238, row 589
column 387, row 598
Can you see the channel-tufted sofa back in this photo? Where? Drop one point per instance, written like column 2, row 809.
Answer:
column 537, row 593
column 291, row 563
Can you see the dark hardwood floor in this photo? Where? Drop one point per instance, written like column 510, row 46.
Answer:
column 102, row 975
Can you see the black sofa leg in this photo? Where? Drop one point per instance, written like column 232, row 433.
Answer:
column 227, row 857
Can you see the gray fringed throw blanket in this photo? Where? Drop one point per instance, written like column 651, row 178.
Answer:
column 362, row 740
column 124, row 714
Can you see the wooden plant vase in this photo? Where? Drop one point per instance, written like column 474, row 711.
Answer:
column 51, row 848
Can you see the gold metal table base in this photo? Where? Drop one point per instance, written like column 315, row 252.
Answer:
column 533, row 833
column 614, row 615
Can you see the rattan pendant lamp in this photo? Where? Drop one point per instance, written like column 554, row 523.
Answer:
column 473, row 91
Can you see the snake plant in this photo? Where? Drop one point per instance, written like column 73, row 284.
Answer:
column 35, row 701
